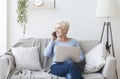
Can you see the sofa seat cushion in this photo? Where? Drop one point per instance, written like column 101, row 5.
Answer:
column 86, row 76
column 93, row 76
column 28, row 74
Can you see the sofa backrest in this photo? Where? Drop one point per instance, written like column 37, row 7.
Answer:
column 87, row 45
column 41, row 43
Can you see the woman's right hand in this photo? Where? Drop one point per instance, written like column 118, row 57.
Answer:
column 54, row 37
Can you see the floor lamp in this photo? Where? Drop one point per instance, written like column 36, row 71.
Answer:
column 107, row 9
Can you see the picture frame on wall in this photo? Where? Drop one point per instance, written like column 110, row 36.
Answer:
column 44, row 3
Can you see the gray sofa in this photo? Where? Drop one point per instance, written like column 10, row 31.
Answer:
column 8, row 70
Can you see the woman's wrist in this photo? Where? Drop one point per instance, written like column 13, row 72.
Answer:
column 54, row 38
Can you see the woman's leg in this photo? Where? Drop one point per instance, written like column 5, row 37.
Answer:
column 59, row 69
column 74, row 70
column 68, row 76
column 65, row 68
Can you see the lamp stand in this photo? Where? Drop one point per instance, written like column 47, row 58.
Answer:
column 109, row 33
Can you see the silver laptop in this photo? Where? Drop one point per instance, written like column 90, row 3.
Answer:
column 64, row 53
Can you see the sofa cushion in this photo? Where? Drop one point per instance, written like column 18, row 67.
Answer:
column 93, row 76
column 27, row 74
column 95, row 59
column 26, row 58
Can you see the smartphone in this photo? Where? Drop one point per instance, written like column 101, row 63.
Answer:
column 55, row 34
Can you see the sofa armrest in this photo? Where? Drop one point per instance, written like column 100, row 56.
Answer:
column 109, row 68
column 6, row 66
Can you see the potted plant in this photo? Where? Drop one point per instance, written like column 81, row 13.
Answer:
column 22, row 6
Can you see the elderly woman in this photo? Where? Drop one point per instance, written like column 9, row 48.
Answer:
column 67, row 69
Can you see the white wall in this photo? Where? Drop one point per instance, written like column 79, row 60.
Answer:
column 3, row 26
column 80, row 14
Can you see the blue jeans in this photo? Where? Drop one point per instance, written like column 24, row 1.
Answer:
column 67, row 69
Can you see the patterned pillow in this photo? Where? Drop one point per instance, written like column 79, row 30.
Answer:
column 26, row 58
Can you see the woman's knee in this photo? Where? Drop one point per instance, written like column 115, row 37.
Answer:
column 69, row 63
column 68, row 76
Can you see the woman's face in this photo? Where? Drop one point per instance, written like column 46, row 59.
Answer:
column 60, row 32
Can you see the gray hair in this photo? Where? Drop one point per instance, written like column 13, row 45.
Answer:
column 65, row 25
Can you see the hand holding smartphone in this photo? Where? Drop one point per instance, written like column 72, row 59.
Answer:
column 54, row 35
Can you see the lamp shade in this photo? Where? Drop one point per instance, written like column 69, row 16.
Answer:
column 106, row 8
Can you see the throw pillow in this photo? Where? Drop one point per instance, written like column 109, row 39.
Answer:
column 26, row 58
column 95, row 59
